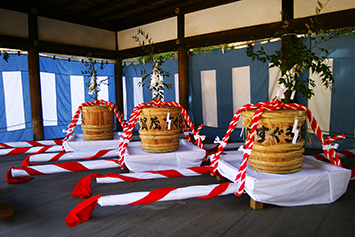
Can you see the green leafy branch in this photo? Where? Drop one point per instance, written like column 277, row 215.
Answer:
column 294, row 57
column 157, row 60
column 91, row 72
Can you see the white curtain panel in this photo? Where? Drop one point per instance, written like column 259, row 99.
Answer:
column 176, row 86
column 77, row 92
column 241, row 89
column 320, row 104
column 103, row 93
column 137, row 91
column 49, row 99
column 124, row 88
column 209, row 98
column 13, row 93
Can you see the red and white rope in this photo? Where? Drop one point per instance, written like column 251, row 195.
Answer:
column 24, row 171
column 260, row 108
column 75, row 119
column 30, row 143
column 146, row 175
column 83, row 210
column 128, row 131
column 83, row 190
column 30, row 150
column 65, row 156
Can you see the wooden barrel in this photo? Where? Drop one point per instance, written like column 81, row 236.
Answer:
column 154, row 132
column 97, row 122
column 273, row 150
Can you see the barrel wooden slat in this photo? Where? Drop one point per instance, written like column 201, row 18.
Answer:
column 97, row 123
column 273, row 151
column 154, row 133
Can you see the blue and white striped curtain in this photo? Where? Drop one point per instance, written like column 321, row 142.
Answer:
column 63, row 89
column 220, row 83
column 15, row 106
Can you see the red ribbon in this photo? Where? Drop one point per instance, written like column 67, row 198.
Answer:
column 82, row 211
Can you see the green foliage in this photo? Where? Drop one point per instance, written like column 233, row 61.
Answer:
column 91, row 72
column 211, row 49
column 157, row 60
column 295, row 57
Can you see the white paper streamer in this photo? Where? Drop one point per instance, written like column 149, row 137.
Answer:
column 168, row 120
column 295, row 131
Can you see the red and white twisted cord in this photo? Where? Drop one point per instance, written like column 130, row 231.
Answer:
column 328, row 150
column 83, row 190
column 83, row 210
column 65, row 156
column 30, row 143
column 270, row 106
column 16, row 174
column 30, row 150
column 127, row 133
column 75, row 119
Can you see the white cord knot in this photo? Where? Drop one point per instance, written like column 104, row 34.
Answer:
column 123, row 140
column 241, row 148
column 330, row 146
column 202, row 137
column 217, row 140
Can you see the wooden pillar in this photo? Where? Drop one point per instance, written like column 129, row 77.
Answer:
column 119, row 88
column 183, row 77
column 182, row 61
column 287, row 8
column 34, row 78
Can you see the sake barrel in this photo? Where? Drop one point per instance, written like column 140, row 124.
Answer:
column 156, row 135
column 273, row 150
column 97, row 122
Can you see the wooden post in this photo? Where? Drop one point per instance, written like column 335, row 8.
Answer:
column 119, row 88
column 35, row 94
column 287, row 8
column 35, row 85
column 256, row 205
column 182, row 61
column 183, row 77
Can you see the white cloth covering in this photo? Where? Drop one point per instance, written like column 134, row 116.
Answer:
column 76, row 143
column 317, row 183
column 188, row 155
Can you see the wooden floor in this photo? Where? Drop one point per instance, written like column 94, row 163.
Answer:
column 42, row 204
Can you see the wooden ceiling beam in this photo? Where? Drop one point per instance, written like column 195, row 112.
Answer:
column 50, row 47
column 102, row 6
column 70, row 4
column 43, row 11
column 331, row 21
column 128, row 9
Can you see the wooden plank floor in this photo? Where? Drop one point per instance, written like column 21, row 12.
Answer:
column 42, row 204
